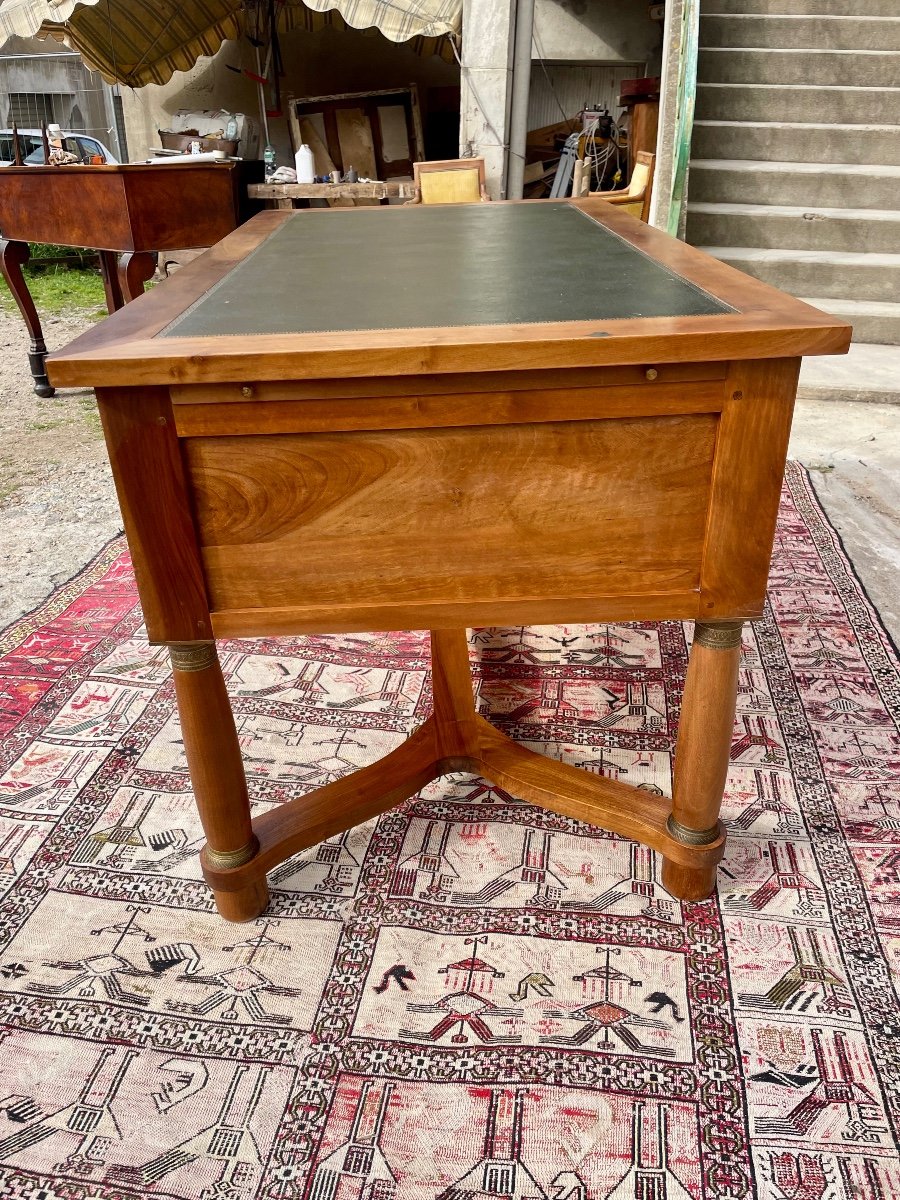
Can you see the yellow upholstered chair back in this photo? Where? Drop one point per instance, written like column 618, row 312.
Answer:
column 635, row 199
column 452, row 181
column 640, row 176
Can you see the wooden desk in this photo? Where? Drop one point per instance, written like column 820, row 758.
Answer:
column 127, row 212
column 599, row 439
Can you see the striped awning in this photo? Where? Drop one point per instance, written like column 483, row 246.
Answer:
column 136, row 42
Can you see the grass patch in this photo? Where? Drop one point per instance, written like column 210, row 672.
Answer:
column 58, row 290
column 88, row 406
column 42, row 426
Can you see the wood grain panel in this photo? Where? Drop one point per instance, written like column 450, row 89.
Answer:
column 429, row 517
column 39, row 205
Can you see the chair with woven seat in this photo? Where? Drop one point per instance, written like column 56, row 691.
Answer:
column 449, row 181
column 635, row 198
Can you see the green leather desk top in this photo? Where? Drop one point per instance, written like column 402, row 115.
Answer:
column 400, row 268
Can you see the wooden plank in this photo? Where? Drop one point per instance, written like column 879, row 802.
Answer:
column 443, row 410
column 520, row 511
column 322, row 160
column 150, row 482
column 305, row 101
column 357, row 143
column 380, row 190
column 323, row 163
column 418, row 134
column 749, row 465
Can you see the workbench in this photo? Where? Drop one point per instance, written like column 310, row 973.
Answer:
column 283, row 195
column 128, row 213
column 406, row 418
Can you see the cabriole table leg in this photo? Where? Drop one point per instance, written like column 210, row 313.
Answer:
column 134, row 270
column 13, row 257
column 109, row 271
column 217, row 773
column 702, row 751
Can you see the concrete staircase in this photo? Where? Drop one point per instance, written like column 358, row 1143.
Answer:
column 795, row 166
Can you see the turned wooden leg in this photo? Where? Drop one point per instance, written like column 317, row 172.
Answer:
column 13, row 256
column 217, row 773
column 134, row 269
column 702, row 752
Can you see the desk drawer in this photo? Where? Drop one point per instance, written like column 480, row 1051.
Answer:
column 338, row 529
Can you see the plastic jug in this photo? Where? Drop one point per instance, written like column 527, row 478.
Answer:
column 306, row 167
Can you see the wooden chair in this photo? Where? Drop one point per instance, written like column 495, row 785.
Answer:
column 635, row 199
column 449, row 181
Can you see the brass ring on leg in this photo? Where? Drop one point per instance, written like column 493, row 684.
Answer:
column 722, row 635
column 192, row 656
column 691, row 837
column 227, row 860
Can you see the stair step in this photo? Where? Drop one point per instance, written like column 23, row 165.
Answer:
column 868, row 374
column 788, row 141
column 871, row 277
column 762, row 196
column 777, row 31
column 771, row 226
column 798, row 103
column 871, row 321
column 832, row 185
column 833, row 68
column 829, row 8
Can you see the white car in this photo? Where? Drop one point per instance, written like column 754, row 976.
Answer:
column 80, row 144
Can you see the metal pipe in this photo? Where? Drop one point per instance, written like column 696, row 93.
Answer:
column 521, row 87
column 261, row 91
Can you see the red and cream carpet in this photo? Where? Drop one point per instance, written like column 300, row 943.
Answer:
column 468, row 997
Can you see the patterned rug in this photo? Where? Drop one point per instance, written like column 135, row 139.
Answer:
column 468, row 997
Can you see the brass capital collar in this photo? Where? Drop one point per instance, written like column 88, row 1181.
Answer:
column 723, row 635
column 227, row 860
column 691, row 837
column 192, row 656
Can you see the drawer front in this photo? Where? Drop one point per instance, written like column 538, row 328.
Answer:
column 335, row 528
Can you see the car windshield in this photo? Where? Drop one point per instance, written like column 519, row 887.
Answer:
column 82, row 148
column 27, row 144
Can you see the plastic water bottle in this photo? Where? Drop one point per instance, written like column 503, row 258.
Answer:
column 269, row 160
column 306, row 168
